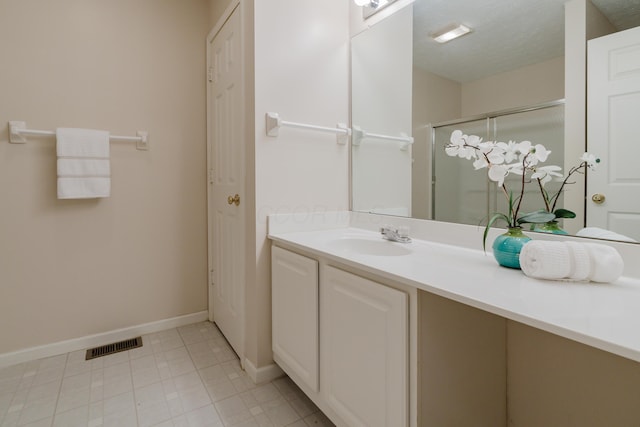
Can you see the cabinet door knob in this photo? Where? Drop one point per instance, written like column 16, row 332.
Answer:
column 234, row 199
column 598, row 198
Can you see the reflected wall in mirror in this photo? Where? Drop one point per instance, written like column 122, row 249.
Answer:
column 513, row 61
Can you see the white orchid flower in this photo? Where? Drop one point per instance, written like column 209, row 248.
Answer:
column 524, row 148
column 498, row 173
column 496, row 157
column 458, row 145
column 487, row 146
column 510, row 150
column 494, row 154
column 456, row 137
column 516, row 168
column 540, row 153
column 590, row 159
column 480, row 163
column 546, row 173
column 473, row 140
column 536, row 154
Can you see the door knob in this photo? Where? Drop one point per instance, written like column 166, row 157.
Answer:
column 233, row 199
column 598, row 198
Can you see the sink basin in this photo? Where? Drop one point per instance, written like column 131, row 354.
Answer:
column 369, row 246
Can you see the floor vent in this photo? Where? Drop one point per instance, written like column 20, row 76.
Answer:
column 116, row 347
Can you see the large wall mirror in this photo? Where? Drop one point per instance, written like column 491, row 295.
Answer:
column 503, row 81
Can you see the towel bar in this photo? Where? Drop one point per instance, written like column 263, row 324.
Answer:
column 359, row 135
column 273, row 124
column 18, row 131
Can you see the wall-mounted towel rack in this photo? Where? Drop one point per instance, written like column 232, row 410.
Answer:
column 359, row 135
column 18, row 131
column 274, row 123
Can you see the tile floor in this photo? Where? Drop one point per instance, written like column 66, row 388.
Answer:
column 187, row 376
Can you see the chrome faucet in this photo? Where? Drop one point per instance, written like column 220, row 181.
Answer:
column 400, row 234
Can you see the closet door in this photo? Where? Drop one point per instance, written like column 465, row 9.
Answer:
column 226, row 204
column 613, row 189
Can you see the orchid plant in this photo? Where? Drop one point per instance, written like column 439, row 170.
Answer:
column 545, row 174
column 517, row 158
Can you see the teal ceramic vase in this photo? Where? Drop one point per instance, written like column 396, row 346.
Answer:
column 507, row 246
column 549, row 227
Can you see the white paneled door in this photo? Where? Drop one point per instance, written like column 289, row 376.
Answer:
column 613, row 190
column 225, row 162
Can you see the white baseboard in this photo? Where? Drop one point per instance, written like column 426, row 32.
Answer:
column 89, row 341
column 264, row 374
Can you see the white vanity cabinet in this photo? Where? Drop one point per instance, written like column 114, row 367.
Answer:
column 294, row 293
column 363, row 349
column 343, row 338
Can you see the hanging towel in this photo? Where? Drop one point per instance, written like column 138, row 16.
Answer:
column 84, row 169
column 571, row 261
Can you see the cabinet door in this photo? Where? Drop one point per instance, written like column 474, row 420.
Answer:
column 363, row 350
column 294, row 293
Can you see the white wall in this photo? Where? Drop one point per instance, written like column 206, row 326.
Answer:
column 435, row 100
column 533, row 84
column 71, row 268
column 381, row 64
column 301, row 72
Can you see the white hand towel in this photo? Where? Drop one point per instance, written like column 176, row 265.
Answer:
column 546, row 260
column 73, row 167
column 83, row 163
column 572, row 261
column 581, row 263
column 607, row 263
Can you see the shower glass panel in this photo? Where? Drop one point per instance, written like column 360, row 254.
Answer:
column 464, row 195
column 460, row 193
column 544, row 126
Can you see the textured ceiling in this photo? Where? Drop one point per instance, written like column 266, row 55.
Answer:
column 507, row 34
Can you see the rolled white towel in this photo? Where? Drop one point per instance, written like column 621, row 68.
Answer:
column 606, row 261
column 581, row 263
column 546, row 260
column 571, row 261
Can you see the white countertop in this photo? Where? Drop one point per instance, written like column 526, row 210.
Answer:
column 605, row 316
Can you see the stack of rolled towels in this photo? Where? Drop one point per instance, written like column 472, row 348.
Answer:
column 573, row 261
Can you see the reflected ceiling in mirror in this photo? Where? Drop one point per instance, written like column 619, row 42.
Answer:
column 507, row 34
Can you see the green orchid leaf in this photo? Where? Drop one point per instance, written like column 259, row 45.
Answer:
column 492, row 221
column 537, row 217
column 564, row 213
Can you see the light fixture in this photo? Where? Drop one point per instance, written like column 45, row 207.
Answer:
column 373, row 4
column 370, row 7
column 451, row 32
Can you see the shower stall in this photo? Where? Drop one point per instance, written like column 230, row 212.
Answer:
column 464, row 195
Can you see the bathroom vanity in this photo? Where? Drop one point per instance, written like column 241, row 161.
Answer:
column 429, row 333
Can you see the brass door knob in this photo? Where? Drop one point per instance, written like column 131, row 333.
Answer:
column 598, row 198
column 233, row 199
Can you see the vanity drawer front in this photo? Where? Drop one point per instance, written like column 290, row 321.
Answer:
column 295, row 314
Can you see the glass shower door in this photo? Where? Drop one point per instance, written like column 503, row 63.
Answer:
column 464, row 195
column 460, row 193
column 542, row 126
